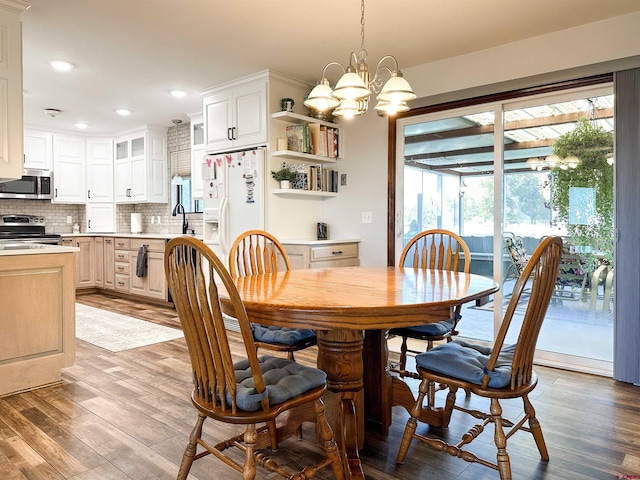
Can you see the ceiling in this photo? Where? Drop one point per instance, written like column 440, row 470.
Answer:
column 464, row 145
column 131, row 53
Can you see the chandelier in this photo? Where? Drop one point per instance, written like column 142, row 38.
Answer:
column 553, row 161
column 351, row 95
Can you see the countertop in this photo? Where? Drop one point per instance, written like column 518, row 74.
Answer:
column 168, row 236
column 319, row 242
column 33, row 249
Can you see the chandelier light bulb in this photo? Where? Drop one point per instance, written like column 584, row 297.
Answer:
column 397, row 89
column 350, row 87
column 572, row 161
column 320, row 98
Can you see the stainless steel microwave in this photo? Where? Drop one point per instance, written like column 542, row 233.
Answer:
column 34, row 184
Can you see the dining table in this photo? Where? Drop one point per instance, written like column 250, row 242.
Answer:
column 351, row 309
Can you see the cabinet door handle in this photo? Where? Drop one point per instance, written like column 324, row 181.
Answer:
column 56, row 194
column 229, row 133
column 233, row 133
column 89, row 225
column 339, row 252
column 88, row 193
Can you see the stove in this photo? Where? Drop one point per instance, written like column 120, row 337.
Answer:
column 25, row 229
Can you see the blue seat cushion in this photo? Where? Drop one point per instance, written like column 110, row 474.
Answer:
column 281, row 335
column 428, row 329
column 467, row 361
column 283, row 378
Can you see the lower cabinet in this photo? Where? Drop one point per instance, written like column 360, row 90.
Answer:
column 99, row 259
column 322, row 254
column 110, row 263
column 85, row 260
column 154, row 283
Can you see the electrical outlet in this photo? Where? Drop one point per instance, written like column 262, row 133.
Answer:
column 367, row 217
column 158, row 220
column 69, row 219
column 153, row 219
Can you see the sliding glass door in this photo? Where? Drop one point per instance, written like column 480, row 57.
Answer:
column 504, row 176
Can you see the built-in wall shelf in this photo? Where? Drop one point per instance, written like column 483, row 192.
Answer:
column 290, row 117
column 294, row 192
column 307, row 157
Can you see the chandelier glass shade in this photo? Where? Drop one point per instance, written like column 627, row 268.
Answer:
column 553, row 161
column 350, row 97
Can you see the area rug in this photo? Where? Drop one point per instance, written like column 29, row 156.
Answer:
column 116, row 332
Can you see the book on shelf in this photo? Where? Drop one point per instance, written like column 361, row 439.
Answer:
column 313, row 138
column 321, row 179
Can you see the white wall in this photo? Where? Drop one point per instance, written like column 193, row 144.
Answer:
column 365, row 159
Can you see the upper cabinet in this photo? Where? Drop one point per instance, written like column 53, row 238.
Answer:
column 235, row 115
column 11, row 120
column 38, row 150
column 100, row 210
column 99, row 170
column 197, row 154
column 141, row 166
column 69, row 167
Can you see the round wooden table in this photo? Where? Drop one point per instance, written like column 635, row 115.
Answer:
column 343, row 303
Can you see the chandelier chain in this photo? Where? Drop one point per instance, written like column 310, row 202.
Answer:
column 362, row 26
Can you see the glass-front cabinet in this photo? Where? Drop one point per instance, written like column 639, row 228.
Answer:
column 141, row 166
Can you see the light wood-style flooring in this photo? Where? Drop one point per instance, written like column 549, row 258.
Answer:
column 127, row 415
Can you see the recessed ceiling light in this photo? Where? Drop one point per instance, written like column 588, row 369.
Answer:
column 81, row 125
column 61, row 65
column 178, row 93
column 123, row 111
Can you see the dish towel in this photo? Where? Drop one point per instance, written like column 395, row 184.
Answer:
column 141, row 263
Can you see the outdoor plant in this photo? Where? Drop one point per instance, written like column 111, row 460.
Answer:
column 592, row 145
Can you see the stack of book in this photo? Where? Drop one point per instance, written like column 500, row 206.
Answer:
column 316, row 178
column 313, row 139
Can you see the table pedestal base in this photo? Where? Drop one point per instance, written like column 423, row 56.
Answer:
column 340, row 357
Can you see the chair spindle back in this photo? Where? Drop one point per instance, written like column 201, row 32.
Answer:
column 255, row 252
column 191, row 268
column 437, row 249
column 543, row 267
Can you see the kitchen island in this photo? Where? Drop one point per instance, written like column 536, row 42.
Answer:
column 37, row 319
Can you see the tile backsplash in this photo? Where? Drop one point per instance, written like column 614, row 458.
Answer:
column 55, row 215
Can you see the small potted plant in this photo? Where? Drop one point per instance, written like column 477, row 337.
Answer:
column 285, row 176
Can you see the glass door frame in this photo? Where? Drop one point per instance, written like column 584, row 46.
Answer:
column 396, row 177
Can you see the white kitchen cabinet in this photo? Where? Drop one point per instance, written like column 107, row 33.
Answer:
column 99, row 170
column 38, row 150
column 11, row 118
column 197, row 154
column 141, row 166
column 235, row 115
column 69, row 169
column 100, row 217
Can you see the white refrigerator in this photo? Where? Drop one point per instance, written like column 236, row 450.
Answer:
column 233, row 197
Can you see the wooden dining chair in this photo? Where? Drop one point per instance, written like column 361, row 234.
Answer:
column 435, row 249
column 250, row 391
column 256, row 252
column 496, row 373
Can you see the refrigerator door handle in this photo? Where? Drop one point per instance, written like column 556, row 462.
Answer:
column 222, row 225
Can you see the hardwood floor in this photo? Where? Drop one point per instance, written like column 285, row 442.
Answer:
column 127, row 416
